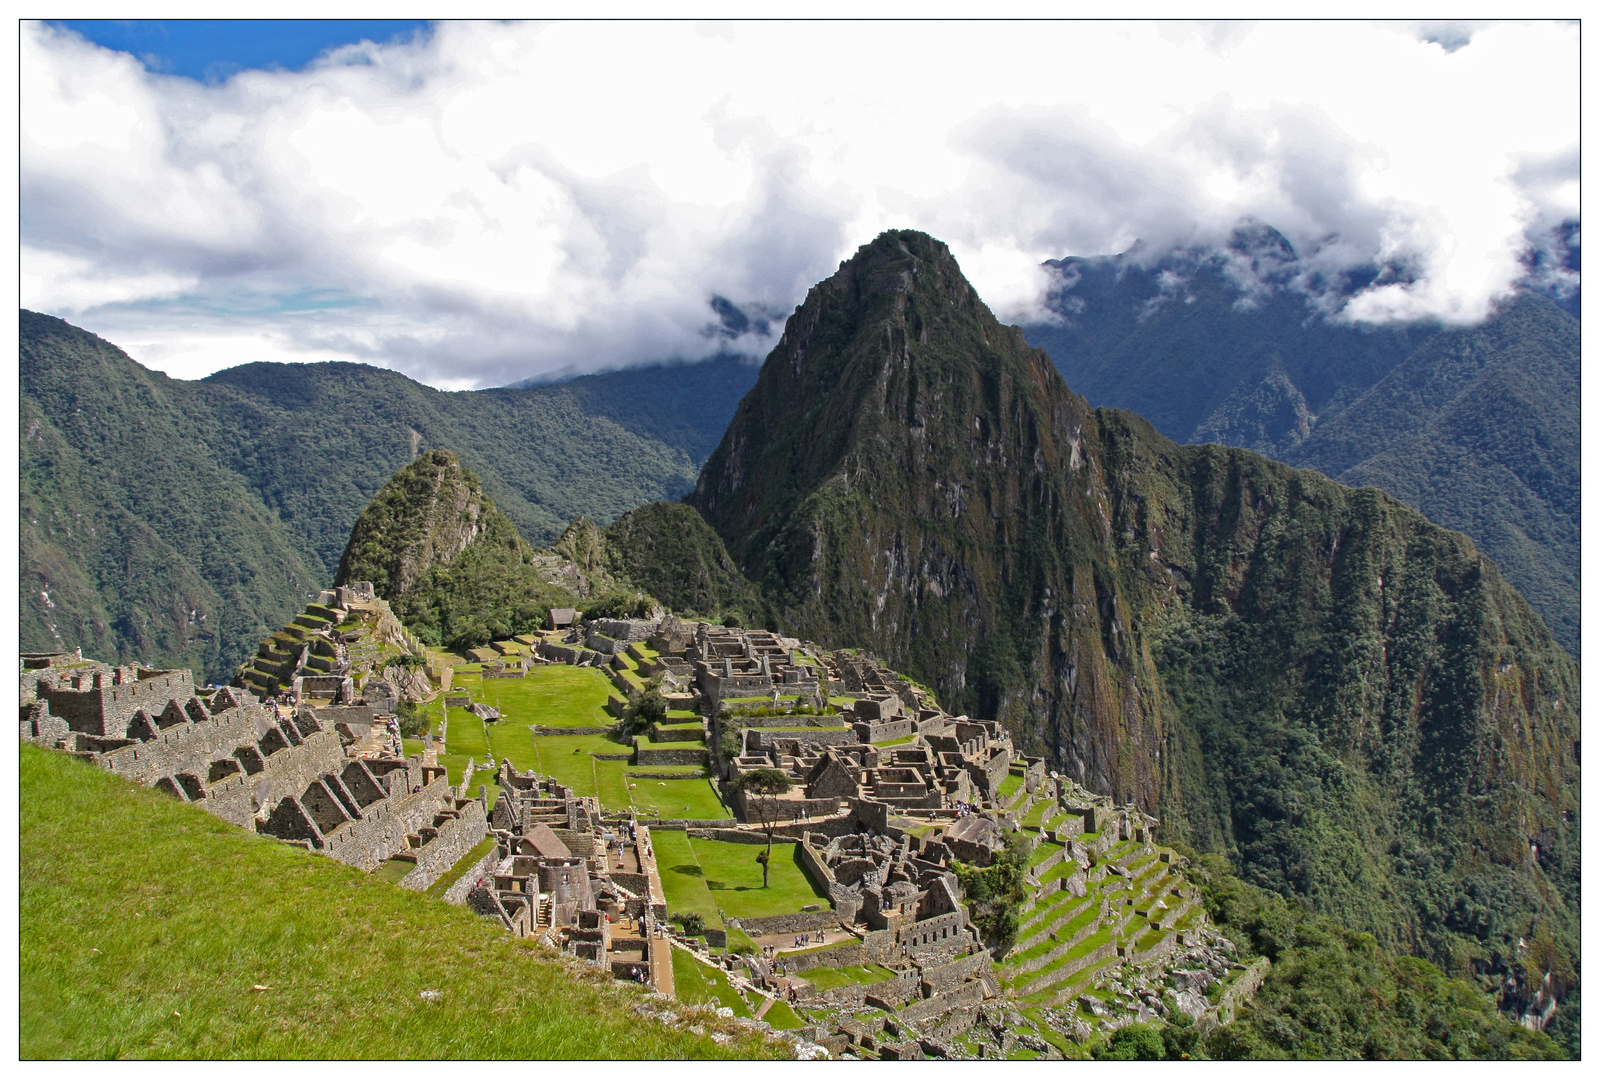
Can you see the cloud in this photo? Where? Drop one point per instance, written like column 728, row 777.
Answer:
column 499, row 200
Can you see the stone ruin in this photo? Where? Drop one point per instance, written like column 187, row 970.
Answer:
column 314, row 777
column 576, row 878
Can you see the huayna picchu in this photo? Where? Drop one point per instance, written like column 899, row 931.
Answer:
column 936, row 724
column 1346, row 699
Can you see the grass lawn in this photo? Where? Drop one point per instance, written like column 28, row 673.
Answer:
column 393, row 870
column 782, row 1017
column 828, row 978
column 554, row 695
column 509, row 739
column 682, row 714
column 1010, row 785
column 1042, row 850
column 488, row 778
column 455, row 766
column 569, row 759
column 734, row 878
column 693, row 799
column 696, row 984
column 681, row 877
column 150, row 970
column 465, row 735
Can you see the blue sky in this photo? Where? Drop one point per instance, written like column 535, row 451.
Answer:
column 213, row 49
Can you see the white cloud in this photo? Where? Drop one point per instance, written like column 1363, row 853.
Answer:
column 503, row 200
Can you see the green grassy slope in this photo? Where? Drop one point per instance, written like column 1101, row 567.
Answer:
column 146, row 924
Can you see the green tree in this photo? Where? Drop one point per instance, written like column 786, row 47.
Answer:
column 764, row 785
column 995, row 892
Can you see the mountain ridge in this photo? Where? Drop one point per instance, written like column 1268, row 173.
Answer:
column 194, row 562
column 1237, row 347
column 1315, row 679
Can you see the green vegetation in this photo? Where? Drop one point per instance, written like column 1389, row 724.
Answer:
column 146, row 498
column 697, row 984
column 782, row 1017
column 681, row 877
column 827, row 978
column 325, row 964
column 451, row 565
column 463, row 864
column 1334, row 993
column 1475, row 426
column 714, row 878
column 761, row 787
column 734, row 878
column 995, row 892
column 668, row 550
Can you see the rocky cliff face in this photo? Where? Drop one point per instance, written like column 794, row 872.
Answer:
column 1345, row 697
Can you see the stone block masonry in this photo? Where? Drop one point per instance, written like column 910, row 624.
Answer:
column 283, row 774
column 453, row 838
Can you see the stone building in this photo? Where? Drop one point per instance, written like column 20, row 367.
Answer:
column 286, row 773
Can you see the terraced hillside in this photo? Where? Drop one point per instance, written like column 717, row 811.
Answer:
column 1110, row 913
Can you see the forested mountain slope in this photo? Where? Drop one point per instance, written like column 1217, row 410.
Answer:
column 1476, row 427
column 1479, row 429
column 178, row 522
column 1345, row 697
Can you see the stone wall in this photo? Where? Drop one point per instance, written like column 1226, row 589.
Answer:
column 368, row 840
column 455, row 838
column 1241, row 989
column 967, row 994
column 880, row 731
column 933, row 931
column 289, row 771
column 188, row 746
column 846, row 954
column 102, row 703
column 789, row 722
column 946, row 977
column 626, row 630
column 457, row 893
column 763, row 740
column 651, row 756
column 802, row 922
column 566, row 654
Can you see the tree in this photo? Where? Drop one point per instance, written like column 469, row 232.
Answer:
column 652, row 707
column 765, row 785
